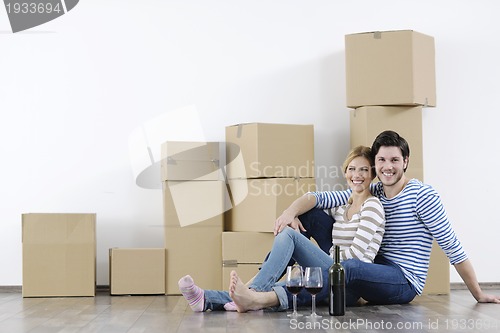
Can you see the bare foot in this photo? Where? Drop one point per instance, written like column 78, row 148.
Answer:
column 248, row 300
column 240, row 294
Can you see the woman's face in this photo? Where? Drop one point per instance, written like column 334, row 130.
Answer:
column 359, row 174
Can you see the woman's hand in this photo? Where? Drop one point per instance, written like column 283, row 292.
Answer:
column 287, row 219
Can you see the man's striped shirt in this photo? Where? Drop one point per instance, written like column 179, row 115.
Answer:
column 413, row 218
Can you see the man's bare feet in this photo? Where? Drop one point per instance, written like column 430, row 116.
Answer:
column 248, row 300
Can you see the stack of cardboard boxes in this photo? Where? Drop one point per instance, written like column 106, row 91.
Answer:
column 390, row 77
column 194, row 201
column 268, row 166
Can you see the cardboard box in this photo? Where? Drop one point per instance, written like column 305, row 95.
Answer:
column 246, row 247
column 390, row 68
column 244, row 252
column 369, row 121
column 258, row 202
column 366, row 123
column 181, row 160
column 191, row 202
column 438, row 277
column 258, row 150
column 136, row 271
column 59, row 255
column 195, row 250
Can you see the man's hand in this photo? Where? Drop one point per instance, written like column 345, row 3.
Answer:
column 486, row 298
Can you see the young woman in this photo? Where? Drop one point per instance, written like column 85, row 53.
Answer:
column 358, row 230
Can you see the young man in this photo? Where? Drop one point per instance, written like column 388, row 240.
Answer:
column 414, row 217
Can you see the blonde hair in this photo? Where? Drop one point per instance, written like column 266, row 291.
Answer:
column 359, row 151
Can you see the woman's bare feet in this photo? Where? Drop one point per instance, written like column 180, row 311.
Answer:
column 246, row 299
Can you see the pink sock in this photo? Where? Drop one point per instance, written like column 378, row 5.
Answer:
column 230, row 306
column 192, row 293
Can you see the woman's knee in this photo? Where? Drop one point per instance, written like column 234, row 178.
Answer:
column 287, row 233
column 352, row 268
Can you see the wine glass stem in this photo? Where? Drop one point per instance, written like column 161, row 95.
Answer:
column 313, row 304
column 294, row 304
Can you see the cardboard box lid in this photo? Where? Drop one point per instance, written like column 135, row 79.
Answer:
column 191, row 151
column 184, row 160
column 58, row 228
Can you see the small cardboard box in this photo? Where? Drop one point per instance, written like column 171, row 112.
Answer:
column 181, row 160
column 369, row 121
column 390, row 68
column 258, row 150
column 195, row 250
column 258, row 202
column 190, row 202
column 135, row 271
column 59, row 254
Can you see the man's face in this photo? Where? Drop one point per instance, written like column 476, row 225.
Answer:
column 390, row 165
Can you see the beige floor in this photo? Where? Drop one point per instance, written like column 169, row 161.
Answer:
column 457, row 312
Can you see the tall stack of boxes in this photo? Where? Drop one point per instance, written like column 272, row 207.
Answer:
column 268, row 166
column 194, row 200
column 390, row 77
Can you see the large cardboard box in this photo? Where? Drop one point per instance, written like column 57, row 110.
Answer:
column 134, row 271
column 194, row 219
column 366, row 123
column 244, row 252
column 183, row 160
column 369, row 121
column 258, row 150
column 191, row 202
column 59, row 254
column 390, row 68
column 195, row 250
column 258, row 202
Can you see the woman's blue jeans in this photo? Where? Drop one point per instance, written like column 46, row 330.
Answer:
column 381, row 282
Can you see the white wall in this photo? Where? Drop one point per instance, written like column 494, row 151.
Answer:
column 73, row 92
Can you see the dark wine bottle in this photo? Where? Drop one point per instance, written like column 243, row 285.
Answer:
column 336, row 279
